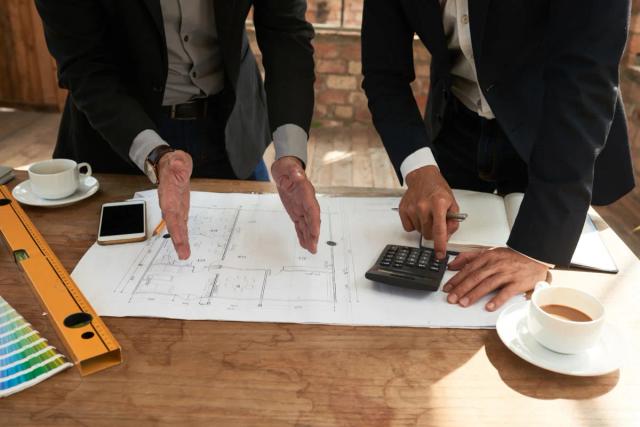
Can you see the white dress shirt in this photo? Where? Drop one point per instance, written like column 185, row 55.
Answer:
column 464, row 78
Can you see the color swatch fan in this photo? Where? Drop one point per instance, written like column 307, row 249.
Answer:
column 25, row 357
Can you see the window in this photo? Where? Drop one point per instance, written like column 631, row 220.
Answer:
column 335, row 13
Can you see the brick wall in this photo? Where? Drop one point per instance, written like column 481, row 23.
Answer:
column 339, row 96
column 340, row 99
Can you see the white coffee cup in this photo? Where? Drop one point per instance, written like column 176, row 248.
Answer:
column 558, row 334
column 56, row 178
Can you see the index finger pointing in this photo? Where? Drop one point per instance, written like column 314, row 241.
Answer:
column 439, row 214
column 312, row 220
column 177, row 228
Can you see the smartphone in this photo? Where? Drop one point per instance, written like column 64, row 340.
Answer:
column 123, row 222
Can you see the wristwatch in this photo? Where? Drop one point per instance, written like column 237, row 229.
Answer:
column 151, row 163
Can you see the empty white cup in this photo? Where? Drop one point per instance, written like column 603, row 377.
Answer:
column 56, row 178
column 561, row 335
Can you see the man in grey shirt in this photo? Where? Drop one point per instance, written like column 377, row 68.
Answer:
column 171, row 88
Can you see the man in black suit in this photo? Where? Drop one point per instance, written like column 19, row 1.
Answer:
column 170, row 87
column 523, row 97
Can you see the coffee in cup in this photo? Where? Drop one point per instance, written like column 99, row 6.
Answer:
column 56, row 178
column 566, row 313
column 565, row 320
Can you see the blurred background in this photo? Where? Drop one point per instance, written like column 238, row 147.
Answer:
column 344, row 150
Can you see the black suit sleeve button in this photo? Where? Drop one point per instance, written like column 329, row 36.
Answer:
column 488, row 88
column 157, row 88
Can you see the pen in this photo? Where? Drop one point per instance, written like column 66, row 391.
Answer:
column 158, row 228
column 457, row 216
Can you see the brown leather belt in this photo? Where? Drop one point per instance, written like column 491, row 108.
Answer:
column 196, row 109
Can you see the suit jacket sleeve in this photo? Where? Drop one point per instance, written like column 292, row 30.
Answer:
column 284, row 38
column 583, row 49
column 387, row 65
column 77, row 36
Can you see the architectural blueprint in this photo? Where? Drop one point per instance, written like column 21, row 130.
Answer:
column 246, row 265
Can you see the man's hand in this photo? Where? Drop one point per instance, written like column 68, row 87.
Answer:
column 174, row 172
column 299, row 199
column 425, row 205
column 481, row 272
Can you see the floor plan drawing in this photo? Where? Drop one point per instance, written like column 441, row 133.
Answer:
column 224, row 271
column 246, row 265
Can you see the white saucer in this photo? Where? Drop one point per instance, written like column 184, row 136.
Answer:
column 603, row 358
column 87, row 188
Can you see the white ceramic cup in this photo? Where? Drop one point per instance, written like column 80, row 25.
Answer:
column 560, row 335
column 56, row 178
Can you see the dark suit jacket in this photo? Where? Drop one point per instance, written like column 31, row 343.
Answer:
column 112, row 57
column 549, row 70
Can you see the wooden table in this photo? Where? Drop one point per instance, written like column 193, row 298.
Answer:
column 228, row 373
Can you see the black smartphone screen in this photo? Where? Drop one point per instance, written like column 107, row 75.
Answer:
column 122, row 219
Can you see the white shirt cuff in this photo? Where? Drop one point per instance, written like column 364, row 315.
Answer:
column 416, row 160
column 142, row 145
column 536, row 260
column 290, row 140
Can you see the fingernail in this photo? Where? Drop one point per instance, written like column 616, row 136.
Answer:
column 453, row 298
column 440, row 255
column 464, row 301
column 491, row 306
column 446, row 288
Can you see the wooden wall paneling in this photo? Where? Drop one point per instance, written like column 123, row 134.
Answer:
column 27, row 71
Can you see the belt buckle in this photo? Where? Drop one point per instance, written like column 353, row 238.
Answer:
column 172, row 112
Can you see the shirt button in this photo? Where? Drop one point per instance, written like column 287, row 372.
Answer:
column 465, row 19
column 186, row 38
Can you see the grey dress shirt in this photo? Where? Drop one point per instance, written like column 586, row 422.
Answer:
column 196, row 71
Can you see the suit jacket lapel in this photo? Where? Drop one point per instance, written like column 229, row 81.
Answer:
column 477, row 18
column 153, row 6
column 430, row 30
column 224, row 13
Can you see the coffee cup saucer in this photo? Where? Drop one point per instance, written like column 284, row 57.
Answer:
column 22, row 192
column 605, row 357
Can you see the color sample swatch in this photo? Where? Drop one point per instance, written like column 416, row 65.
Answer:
column 25, row 357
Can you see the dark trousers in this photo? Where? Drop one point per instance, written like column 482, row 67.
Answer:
column 204, row 140
column 473, row 153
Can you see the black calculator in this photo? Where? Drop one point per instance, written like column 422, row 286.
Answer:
column 408, row 267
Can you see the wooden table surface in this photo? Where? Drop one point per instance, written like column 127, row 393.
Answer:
column 232, row 373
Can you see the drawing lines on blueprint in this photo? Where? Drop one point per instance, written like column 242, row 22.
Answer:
column 240, row 258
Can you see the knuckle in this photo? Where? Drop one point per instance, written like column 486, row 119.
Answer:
column 440, row 201
column 423, row 205
column 475, row 277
